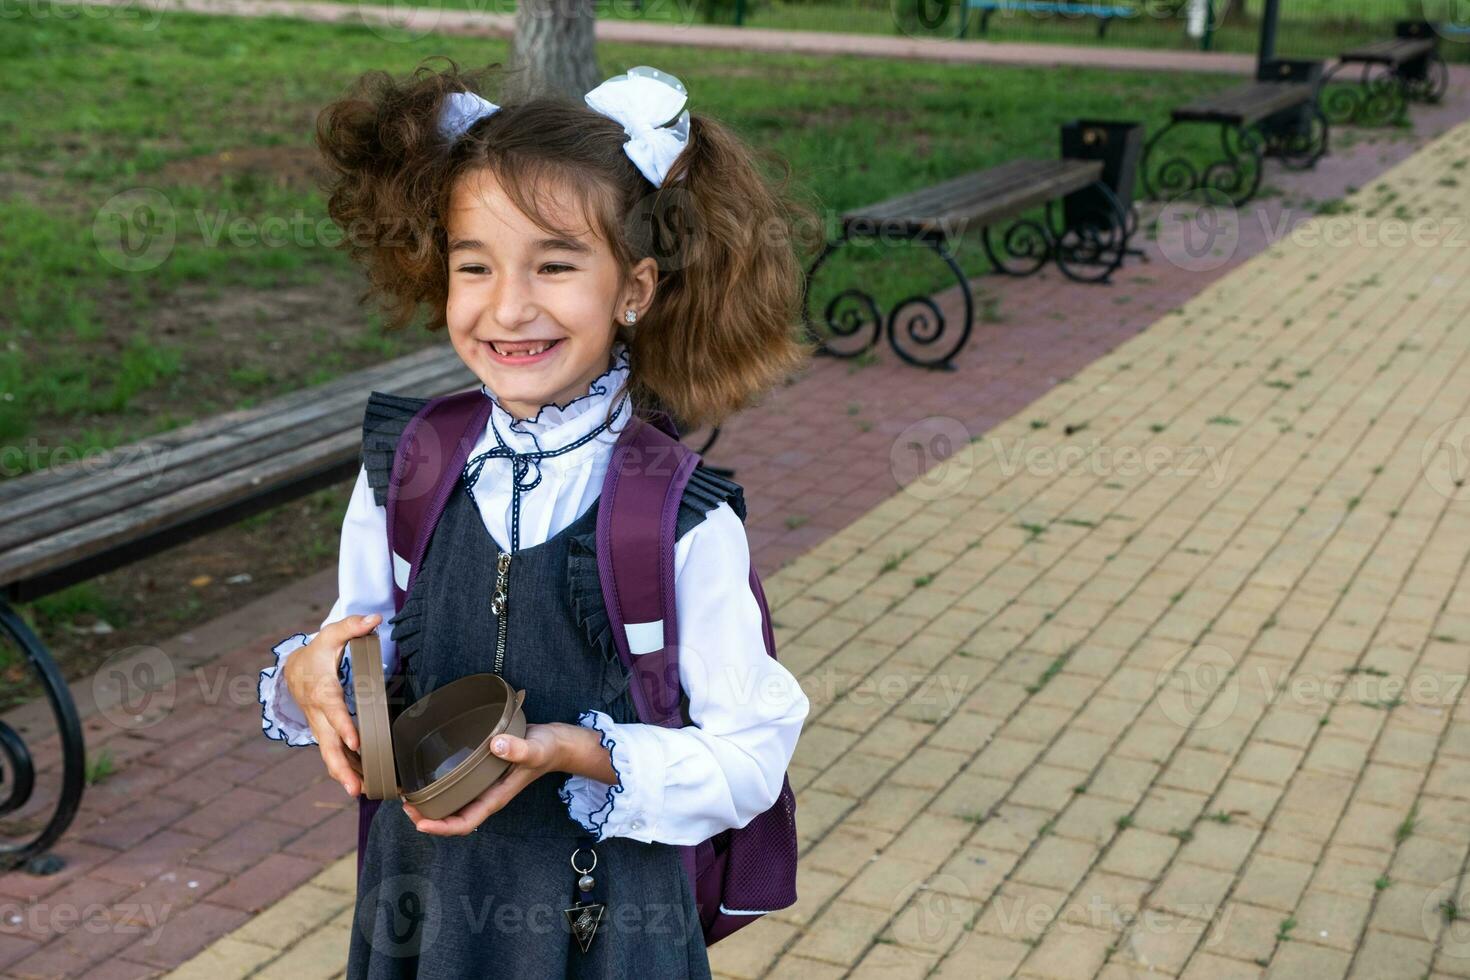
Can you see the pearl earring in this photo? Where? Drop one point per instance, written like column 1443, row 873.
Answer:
column 630, row 316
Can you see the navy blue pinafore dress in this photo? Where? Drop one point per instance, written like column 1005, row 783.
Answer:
column 490, row 904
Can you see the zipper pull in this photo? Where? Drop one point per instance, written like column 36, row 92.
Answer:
column 502, row 581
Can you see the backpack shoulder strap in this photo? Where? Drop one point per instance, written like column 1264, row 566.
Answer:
column 431, row 454
column 636, row 529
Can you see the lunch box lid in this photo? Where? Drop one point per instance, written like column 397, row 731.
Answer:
column 454, row 705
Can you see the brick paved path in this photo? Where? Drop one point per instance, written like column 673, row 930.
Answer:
column 1160, row 677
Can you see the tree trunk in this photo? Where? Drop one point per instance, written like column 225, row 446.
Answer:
column 554, row 52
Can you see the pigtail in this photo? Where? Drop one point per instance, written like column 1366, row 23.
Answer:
column 724, row 326
column 387, row 167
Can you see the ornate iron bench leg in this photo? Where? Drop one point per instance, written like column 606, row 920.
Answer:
column 1375, row 100
column 854, row 311
column 1298, row 142
column 925, row 328
column 1174, row 176
column 17, row 772
column 1091, row 250
column 1237, row 174
column 847, row 314
column 1026, row 244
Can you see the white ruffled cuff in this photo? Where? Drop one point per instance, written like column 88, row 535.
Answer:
column 281, row 718
column 628, row 807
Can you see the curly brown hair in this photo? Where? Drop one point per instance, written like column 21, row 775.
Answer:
column 723, row 327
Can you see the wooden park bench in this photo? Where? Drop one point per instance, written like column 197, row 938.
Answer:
column 1275, row 116
column 1393, row 73
column 1104, row 13
column 71, row 523
column 1084, row 229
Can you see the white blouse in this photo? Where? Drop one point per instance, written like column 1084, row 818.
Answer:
column 675, row 786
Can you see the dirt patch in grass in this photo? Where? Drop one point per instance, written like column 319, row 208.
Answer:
column 237, row 347
column 293, row 167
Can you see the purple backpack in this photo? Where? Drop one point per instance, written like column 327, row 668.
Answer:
column 739, row 874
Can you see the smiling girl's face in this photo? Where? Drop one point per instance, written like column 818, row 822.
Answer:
column 513, row 286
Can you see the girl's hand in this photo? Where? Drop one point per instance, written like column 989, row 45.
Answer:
column 546, row 748
column 311, row 677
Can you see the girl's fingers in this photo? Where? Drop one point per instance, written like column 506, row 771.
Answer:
column 478, row 810
column 341, row 722
column 334, row 755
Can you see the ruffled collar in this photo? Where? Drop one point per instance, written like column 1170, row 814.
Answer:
column 555, row 425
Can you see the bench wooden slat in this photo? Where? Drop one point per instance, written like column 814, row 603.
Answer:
column 1392, row 52
column 153, row 517
column 981, row 197
column 1246, row 104
column 134, row 478
column 939, row 196
column 380, row 377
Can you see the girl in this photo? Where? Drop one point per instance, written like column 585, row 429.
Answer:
column 588, row 264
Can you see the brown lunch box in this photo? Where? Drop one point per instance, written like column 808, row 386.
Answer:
column 436, row 753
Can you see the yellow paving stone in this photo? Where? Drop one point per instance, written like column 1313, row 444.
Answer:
column 1243, row 932
column 886, row 960
column 978, row 955
column 1057, row 862
column 1164, row 809
column 791, row 967
column 751, row 952
column 227, row 957
column 1067, row 951
column 814, row 889
column 1329, row 919
column 1123, row 779
column 1382, row 955
column 1191, row 890
column 847, row 849
column 1011, row 828
column 1208, row 966
column 1160, row 942
column 1021, row 912
column 1294, row 961
column 301, row 911
column 339, row 876
column 1139, row 854
column 886, row 882
column 841, row 933
column 820, row 810
column 1092, row 819
column 973, row 873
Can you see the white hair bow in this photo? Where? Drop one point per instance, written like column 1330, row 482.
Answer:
column 642, row 101
column 461, row 111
